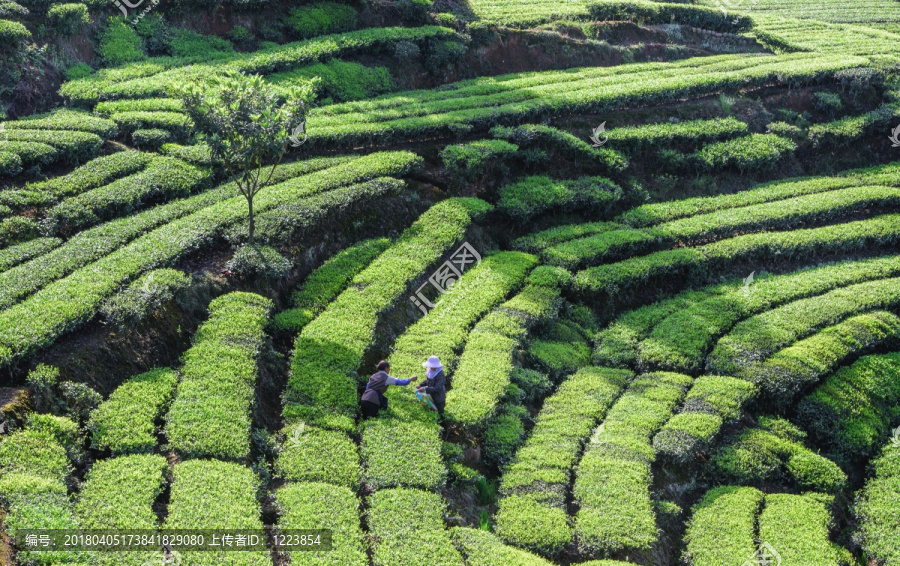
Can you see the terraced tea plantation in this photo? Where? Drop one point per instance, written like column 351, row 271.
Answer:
column 655, row 247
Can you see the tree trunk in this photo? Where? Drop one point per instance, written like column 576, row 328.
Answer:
column 250, row 205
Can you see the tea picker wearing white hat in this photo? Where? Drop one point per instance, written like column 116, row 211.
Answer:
column 435, row 383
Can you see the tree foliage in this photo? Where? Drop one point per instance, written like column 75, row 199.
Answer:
column 247, row 124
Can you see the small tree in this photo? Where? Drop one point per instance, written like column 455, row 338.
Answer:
column 247, row 123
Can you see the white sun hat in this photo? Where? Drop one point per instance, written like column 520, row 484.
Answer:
column 433, row 362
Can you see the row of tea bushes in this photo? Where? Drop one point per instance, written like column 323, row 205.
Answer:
column 325, row 283
column 93, row 174
column 66, row 147
column 559, row 143
column 851, row 413
column 681, row 341
column 164, row 179
column 532, row 510
column 802, row 364
column 760, row 336
column 784, row 214
column 95, row 243
column 217, row 495
column 321, row 389
column 154, row 78
column 65, row 119
column 614, row 283
column 613, row 480
column 723, row 528
column 773, row 452
column 489, row 101
column 20, row 253
column 877, row 510
column 34, row 473
column 657, row 213
column 653, row 224
column 210, row 416
column 68, row 303
column 125, row 422
column 119, row 494
column 712, row 402
column 487, row 363
column 323, row 505
column 403, row 448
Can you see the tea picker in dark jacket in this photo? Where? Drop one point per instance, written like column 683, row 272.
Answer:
column 373, row 398
column 435, row 383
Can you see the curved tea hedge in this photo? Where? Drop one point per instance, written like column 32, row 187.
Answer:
column 312, row 454
column 617, row 344
column 616, row 280
column 534, row 195
column 538, row 241
column 31, row 154
column 72, row 301
column 482, row 548
column 163, row 179
column 877, row 510
column 325, row 283
column 658, row 213
column 34, row 470
column 125, row 423
column 217, row 495
column 320, row 389
column 604, row 246
column 407, row 429
column 210, row 416
column 774, row 452
column 712, row 402
column 686, row 135
column 521, row 14
column 612, row 485
column 487, row 361
column 779, row 206
column 762, row 335
column 487, row 101
column 71, row 146
column 684, row 338
column 532, row 512
column 20, row 253
column 93, row 174
column 562, row 143
column 66, row 119
column 176, row 123
column 154, row 77
column 562, row 349
column 797, row 526
column 119, row 494
column 789, row 370
column 783, row 214
column 317, row 505
column 722, row 526
column 408, row 527
column 109, row 107
column 852, row 412
column 749, row 153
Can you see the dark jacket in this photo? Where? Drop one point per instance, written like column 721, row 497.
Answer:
column 437, row 387
column 374, row 392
